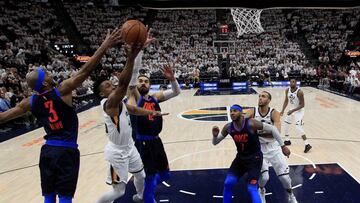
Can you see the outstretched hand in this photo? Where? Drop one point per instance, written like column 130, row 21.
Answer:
column 149, row 38
column 215, row 131
column 168, row 72
column 113, row 38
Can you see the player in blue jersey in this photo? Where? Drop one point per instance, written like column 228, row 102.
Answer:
column 249, row 156
column 52, row 106
column 149, row 127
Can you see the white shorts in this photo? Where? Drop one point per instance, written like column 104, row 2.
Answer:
column 274, row 157
column 121, row 161
column 297, row 116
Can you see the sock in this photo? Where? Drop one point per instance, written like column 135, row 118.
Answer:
column 306, row 142
column 118, row 191
column 149, row 190
column 65, row 199
column 229, row 183
column 139, row 182
column 50, row 198
column 253, row 190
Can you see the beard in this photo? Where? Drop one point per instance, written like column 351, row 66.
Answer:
column 143, row 90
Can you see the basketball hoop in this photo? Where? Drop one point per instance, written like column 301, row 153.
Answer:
column 247, row 20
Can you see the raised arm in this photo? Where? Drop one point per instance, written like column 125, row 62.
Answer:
column 175, row 87
column 286, row 101
column 116, row 96
column 67, row 86
column 218, row 138
column 15, row 112
column 133, row 93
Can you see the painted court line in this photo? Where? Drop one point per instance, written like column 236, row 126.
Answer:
column 319, row 192
column 269, row 193
column 164, row 200
column 186, row 192
column 220, row 196
column 166, row 184
column 312, row 176
column 296, row 186
column 348, row 172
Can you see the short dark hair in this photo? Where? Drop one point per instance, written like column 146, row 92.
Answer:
column 96, row 86
column 143, row 75
column 292, row 78
column 268, row 93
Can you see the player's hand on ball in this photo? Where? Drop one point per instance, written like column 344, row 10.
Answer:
column 215, row 131
column 286, row 151
column 113, row 38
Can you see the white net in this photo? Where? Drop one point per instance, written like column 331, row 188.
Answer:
column 247, row 20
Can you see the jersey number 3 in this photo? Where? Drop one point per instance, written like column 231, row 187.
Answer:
column 53, row 115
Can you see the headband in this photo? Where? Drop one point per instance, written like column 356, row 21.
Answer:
column 40, row 79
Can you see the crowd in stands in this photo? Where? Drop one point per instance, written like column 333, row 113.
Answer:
column 184, row 40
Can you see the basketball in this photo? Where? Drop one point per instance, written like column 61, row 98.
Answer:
column 134, row 31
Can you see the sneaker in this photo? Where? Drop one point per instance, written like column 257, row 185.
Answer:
column 292, row 198
column 262, row 194
column 287, row 142
column 136, row 198
column 307, row 148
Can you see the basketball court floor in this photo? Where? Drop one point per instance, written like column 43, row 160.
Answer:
column 328, row 173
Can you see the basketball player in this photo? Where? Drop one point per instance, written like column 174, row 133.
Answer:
column 249, row 157
column 148, row 128
column 297, row 104
column 120, row 151
column 270, row 148
column 52, row 106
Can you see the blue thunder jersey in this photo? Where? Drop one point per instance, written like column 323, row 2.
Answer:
column 149, row 125
column 59, row 119
column 247, row 143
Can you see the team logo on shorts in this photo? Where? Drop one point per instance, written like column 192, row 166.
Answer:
column 209, row 114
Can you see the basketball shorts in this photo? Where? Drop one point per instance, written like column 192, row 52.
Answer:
column 121, row 162
column 274, row 157
column 250, row 165
column 59, row 170
column 153, row 155
column 296, row 116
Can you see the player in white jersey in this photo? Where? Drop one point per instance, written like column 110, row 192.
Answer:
column 120, row 151
column 297, row 104
column 271, row 150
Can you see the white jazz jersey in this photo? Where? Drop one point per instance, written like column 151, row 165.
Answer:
column 118, row 129
column 265, row 119
column 293, row 98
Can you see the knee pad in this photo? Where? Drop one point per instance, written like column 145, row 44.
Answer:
column 50, row 198
column 285, row 181
column 120, row 189
column 230, row 181
column 264, row 178
column 65, row 199
column 253, row 190
column 299, row 128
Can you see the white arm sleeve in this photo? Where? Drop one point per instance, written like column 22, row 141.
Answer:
column 275, row 132
column 137, row 66
column 216, row 140
column 175, row 90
